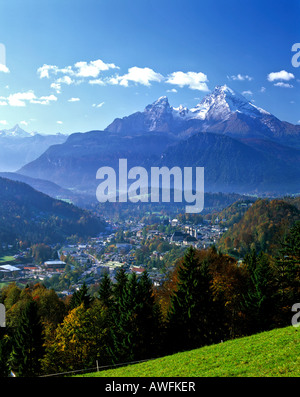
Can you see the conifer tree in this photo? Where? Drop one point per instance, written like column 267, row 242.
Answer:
column 192, row 319
column 81, row 296
column 119, row 315
column 105, row 290
column 258, row 302
column 135, row 318
column 4, row 353
column 149, row 320
column 27, row 344
column 287, row 274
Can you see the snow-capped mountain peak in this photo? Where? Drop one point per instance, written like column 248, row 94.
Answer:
column 223, row 111
column 219, row 105
column 15, row 132
column 161, row 104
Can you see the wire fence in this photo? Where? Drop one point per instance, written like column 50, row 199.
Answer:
column 95, row 369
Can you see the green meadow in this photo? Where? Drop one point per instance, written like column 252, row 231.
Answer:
column 268, row 354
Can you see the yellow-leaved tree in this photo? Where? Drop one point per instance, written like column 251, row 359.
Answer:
column 78, row 341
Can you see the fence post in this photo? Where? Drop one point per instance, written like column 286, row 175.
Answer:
column 2, row 315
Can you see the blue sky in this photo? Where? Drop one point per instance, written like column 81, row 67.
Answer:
column 76, row 65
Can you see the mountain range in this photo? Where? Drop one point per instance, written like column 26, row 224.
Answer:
column 224, row 111
column 243, row 148
column 19, row 147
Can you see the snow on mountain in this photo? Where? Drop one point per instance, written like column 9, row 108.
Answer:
column 220, row 104
column 223, row 111
column 15, row 132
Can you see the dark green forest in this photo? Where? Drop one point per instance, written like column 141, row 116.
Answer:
column 28, row 215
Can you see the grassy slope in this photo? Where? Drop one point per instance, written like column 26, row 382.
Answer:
column 6, row 258
column 273, row 353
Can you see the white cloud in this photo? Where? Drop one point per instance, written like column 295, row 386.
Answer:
column 44, row 70
column 20, row 98
column 3, row 103
column 77, row 73
column 98, row 82
column 3, row 122
column 282, row 75
column 99, row 105
column 93, row 68
column 240, row 77
column 23, row 122
column 284, row 85
column 44, row 100
column 137, row 75
column 4, row 68
column 194, row 81
column 59, row 122
column 56, row 87
column 248, row 92
column 65, row 80
column 172, row 90
column 73, row 99
column 263, row 89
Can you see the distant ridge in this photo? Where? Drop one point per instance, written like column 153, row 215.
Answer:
column 243, row 148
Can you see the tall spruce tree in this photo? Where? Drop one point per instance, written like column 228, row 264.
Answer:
column 287, row 274
column 81, row 296
column 149, row 320
column 135, row 318
column 259, row 300
column 5, row 348
column 27, row 344
column 105, row 290
column 193, row 317
column 119, row 318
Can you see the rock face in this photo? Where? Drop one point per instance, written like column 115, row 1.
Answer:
column 224, row 111
column 243, row 148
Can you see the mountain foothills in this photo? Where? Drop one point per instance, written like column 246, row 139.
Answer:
column 29, row 215
column 18, row 147
column 243, row 148
column 260, row 227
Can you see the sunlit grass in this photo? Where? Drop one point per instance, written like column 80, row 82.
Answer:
column 268, row 354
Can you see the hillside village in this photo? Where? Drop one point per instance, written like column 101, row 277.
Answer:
column 105, row 253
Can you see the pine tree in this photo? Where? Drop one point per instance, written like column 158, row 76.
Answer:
column 258, row 302
column 81, row 296
column 192, row 319
column 135, row 318
column 149, row 320
column 105, row 290
column 287, row 274
column 119, row 315
column 5, row 349
column 27, row 344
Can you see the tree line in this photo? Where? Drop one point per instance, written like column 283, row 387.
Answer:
column 208, row 298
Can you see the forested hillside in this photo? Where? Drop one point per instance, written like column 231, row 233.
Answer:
column 27, row 214
column 262, row 227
